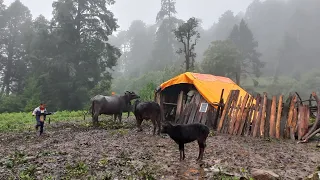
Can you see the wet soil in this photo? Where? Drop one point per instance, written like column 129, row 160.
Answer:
column 75, row 151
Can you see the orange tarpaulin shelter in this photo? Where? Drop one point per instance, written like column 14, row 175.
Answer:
column 209, row 86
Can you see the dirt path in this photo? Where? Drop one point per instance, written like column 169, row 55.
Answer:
column 78, row 152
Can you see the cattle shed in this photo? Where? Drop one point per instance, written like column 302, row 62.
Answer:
column 194, row 97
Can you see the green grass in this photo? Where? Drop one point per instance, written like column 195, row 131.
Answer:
column 25, row 121
column 18, row 122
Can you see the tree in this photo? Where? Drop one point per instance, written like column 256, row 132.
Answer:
column 163, row 53
column 73, row 52
column 224, row 26
column 167, row 10
column 15, row 28
column 188, row 35
column 221, row 58
column 140, row 38
column 242, row 38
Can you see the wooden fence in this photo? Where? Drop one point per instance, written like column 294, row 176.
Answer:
column 262, row 117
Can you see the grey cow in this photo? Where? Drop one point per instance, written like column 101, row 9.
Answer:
column 110, row 105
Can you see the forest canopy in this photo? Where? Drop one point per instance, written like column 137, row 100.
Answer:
column 273, row 46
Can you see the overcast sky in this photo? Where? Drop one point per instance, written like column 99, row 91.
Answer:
column 128, row 10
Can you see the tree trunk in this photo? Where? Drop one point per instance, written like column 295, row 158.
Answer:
column 8, row 72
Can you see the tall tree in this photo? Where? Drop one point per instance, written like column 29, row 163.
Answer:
column 167, row 10
column 140, row 38
column 163, row 53
column 81, row 56
column 243, row 39
column 224, row 26
column 188, row 35
column 16, row 24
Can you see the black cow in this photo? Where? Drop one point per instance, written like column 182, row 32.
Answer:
column 186, row 133
column 110, row 105
column 128, row 108
column 147, row 110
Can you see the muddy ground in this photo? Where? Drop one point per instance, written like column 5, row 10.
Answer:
column 76, row 151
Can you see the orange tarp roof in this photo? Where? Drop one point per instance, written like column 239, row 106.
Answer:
column 209, row 86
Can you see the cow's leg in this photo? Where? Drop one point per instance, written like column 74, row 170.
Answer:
column 181, row 149
column 153, row 120
column 95, row 119
column 120, row 117
column 202, row 145
column 159, row 124
column 139, row 122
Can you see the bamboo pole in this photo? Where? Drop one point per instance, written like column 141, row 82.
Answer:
column 263, row 115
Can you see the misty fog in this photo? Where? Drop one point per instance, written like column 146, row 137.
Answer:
column 265, row 46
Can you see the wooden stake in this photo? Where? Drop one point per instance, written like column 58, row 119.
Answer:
column 240, row 114
column 290, row 116
column 224, row 112
column 278, row 122
column 234, row 118
column 179, row 105
column 263, row 115
column 231, row 112
column 249, row 117
column 294, row 123
column 255, row 113
column 272, row 131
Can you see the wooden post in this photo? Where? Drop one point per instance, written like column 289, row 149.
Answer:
column 219, row 107
column 255, row 113
column 290, row 116
column 224, row 112
column 258, row 119
column 244, row 116
column 305, row 121
column 301, row 117
column 272, row 131
column 231, row 112
column 249, row 117
column 263, row 115
column 278, row 122
column 179, row 105
column 294, row 124
column 240, row 114
column 234, row 116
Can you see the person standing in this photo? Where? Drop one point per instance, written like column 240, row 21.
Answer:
column 40, row 113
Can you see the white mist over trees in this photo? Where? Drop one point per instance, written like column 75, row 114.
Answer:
column 274, row 46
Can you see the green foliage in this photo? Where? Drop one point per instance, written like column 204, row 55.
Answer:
column 25, row 121
column 147, row 92
column 188, row 35
column 221, row 58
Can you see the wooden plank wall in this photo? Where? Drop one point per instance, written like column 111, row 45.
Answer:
column 264, row 118
column 189, row 112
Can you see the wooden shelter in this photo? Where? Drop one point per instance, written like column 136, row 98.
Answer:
column 193, row 97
